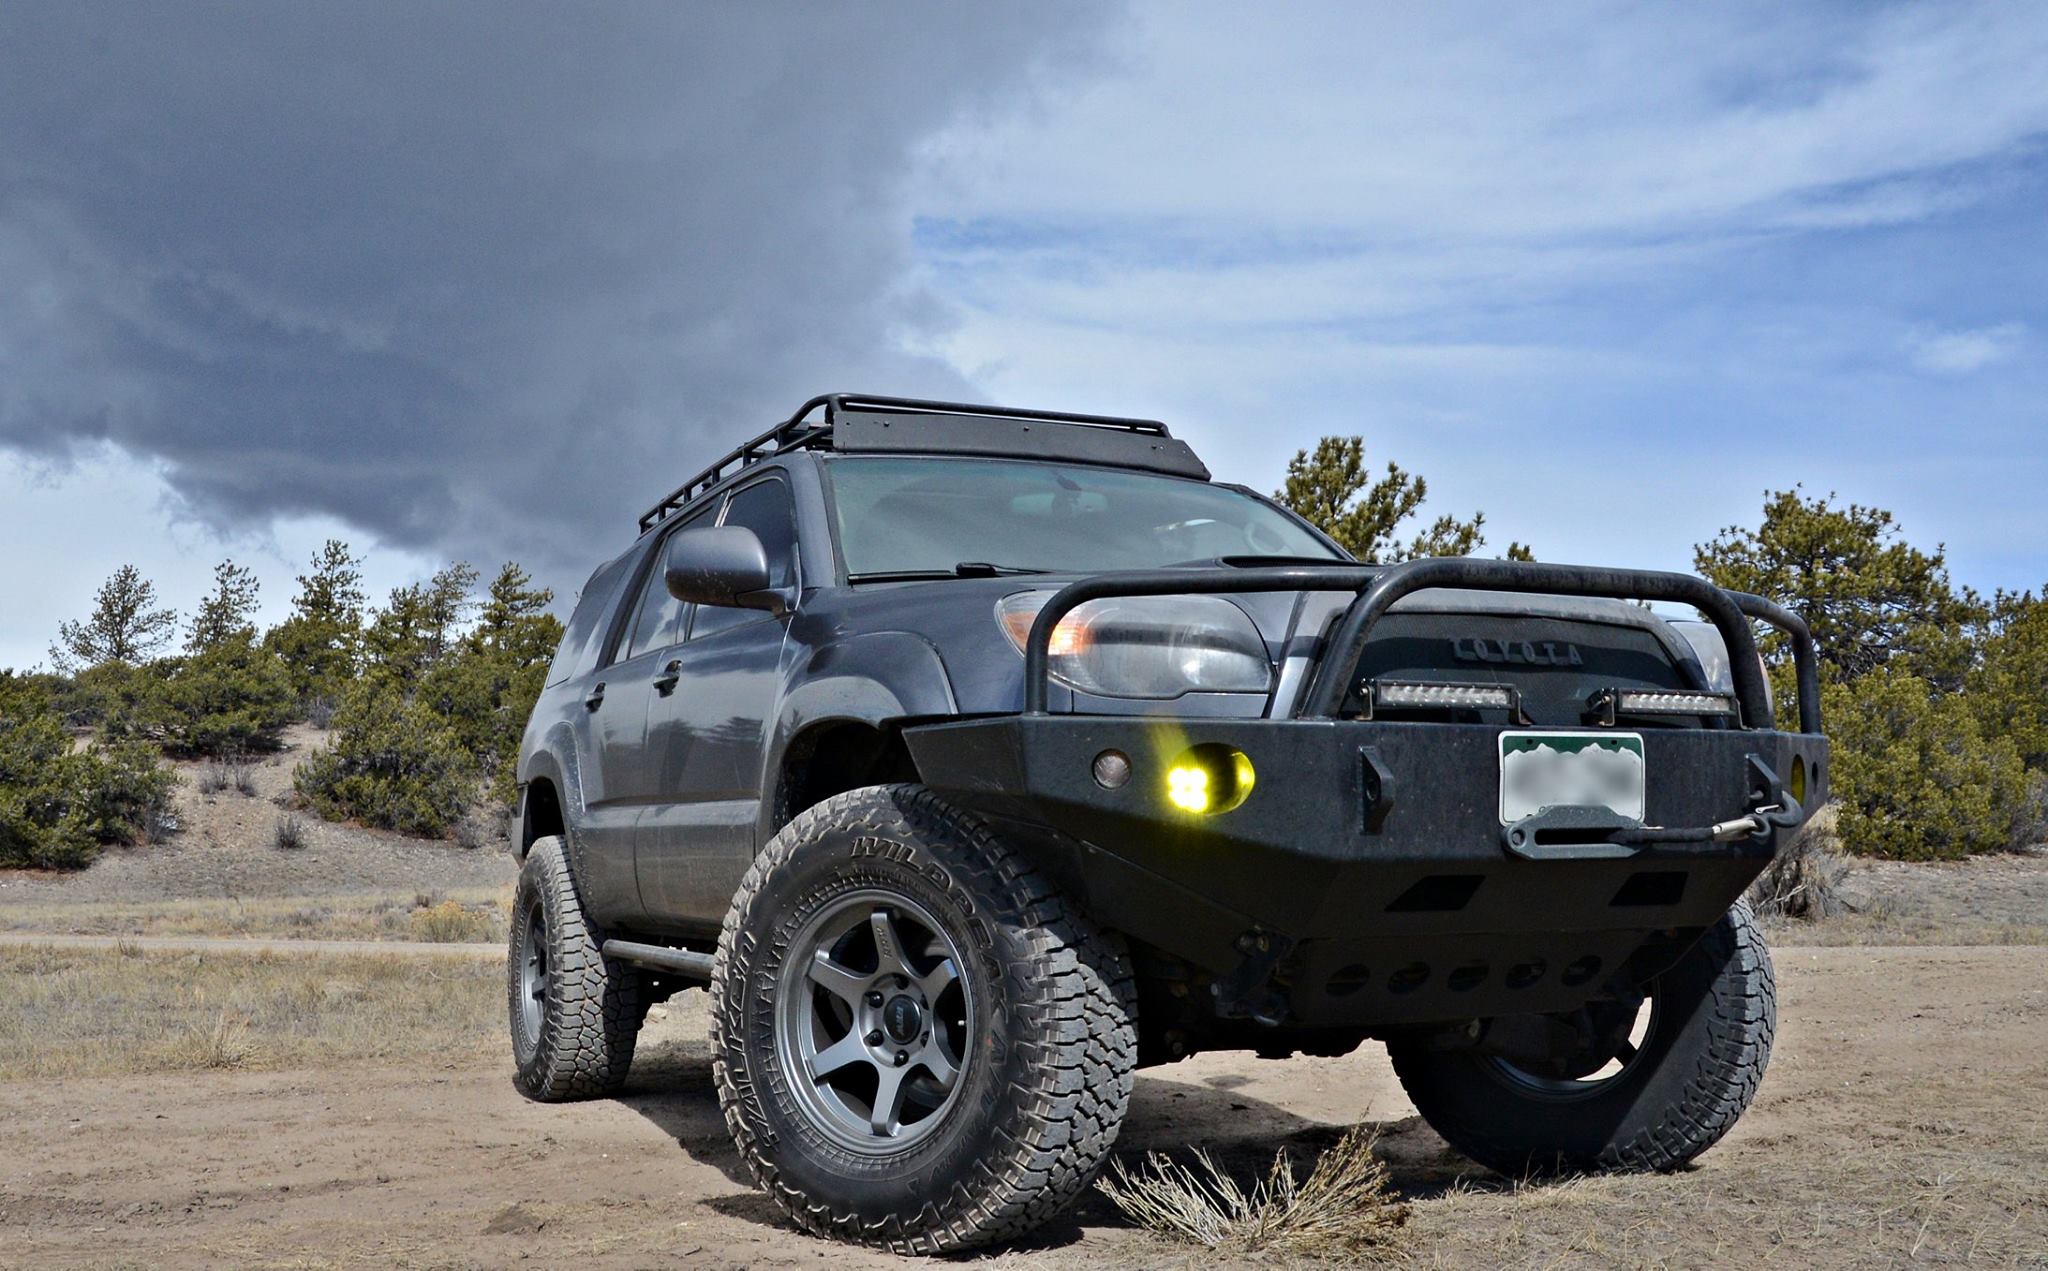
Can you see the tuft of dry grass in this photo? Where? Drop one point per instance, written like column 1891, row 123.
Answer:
column 1805, row 880
column 107, row 1012
column 452, row 922
column 1343, row 1209
column 291, row 832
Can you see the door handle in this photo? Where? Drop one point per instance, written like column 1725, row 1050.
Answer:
column 665, row 683
column 596, row 698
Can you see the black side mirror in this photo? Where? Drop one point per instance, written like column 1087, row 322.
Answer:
column 722, row 565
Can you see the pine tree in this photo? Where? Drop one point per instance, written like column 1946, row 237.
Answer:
column 126, row 626
column 1332, row 490
column 320, row 641
column 225, row 614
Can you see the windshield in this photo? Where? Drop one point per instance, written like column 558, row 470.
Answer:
column 930, row 515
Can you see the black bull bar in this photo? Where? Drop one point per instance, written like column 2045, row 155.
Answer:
column 1368, row 881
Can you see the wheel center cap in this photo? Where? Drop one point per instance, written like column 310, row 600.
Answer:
column 902, row 1018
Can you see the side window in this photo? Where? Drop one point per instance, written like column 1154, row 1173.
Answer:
column 764, row 508
column 583, row 641
column 658, row 620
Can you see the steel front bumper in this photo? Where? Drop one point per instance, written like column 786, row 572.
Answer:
column 1367, row 879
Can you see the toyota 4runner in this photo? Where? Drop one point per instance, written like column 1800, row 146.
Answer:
column 976, row 758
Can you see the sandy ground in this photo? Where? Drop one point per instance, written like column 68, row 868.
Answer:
column 1905, row 1118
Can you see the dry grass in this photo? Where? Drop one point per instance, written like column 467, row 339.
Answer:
column 1805, row 880
column 345, row 916
column 1923, row 1201
column 1343, row 1210
column 452, row 922
column 72, row 1013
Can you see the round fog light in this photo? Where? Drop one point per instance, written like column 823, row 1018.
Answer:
column 1112, row 769
column 1209, row 779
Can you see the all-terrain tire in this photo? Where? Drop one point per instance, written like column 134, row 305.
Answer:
column 1048, row 1068
column 1714, row 1015
column 578, row 1044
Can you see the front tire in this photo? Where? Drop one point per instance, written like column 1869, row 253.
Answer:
column 574, row 1015
column 917, row 1044
column 1711, row 1018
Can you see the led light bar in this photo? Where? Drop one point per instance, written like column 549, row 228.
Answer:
column 1402, row 695
column 1608, row 703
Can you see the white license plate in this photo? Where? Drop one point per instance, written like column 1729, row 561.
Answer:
column 1541, row 770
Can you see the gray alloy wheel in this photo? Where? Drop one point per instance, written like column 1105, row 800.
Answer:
column 874, row 1012
column 530, row 962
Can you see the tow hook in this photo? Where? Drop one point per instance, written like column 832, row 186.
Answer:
column 1244, row 993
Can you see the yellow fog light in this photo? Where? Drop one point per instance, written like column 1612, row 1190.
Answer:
column 1797, row 785
column 1210, row 778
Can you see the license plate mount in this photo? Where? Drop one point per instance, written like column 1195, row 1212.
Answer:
column 1572, row 768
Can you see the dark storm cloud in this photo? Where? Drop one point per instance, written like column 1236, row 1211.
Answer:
column 480, row 278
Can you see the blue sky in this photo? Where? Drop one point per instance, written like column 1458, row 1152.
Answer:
column 1606, row 272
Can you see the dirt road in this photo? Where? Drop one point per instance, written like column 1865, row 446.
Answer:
column 1905, row 1116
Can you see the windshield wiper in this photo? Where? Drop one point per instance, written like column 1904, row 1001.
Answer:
column 983, row 569
column 965, row 569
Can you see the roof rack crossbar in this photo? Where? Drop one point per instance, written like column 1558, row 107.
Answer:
column 795, row 433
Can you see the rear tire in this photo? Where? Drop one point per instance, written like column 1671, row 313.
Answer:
column 574, row 1015
column 918, row 1045
column 1712, row 1018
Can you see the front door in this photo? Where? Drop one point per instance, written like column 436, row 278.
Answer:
column 709, row 735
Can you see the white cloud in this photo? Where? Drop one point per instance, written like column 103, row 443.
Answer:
column 1961, row 352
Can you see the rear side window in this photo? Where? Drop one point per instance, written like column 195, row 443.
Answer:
column 586, row 631
column 764, row 508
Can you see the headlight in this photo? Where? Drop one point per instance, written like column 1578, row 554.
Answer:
column 1712, row 651
column 1154, row 647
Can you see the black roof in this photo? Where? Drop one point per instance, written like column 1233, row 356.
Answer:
column 855, row 423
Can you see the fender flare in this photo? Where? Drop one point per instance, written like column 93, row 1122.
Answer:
column 876, row 679
column 554, row 760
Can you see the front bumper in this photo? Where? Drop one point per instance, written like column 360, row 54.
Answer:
column 1367, row 880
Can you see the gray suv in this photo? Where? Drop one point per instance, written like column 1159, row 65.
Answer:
column 977, row 757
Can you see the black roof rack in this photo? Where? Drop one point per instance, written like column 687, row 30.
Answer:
column 858, row 422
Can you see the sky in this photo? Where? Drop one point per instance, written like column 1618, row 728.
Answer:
column 483, row 281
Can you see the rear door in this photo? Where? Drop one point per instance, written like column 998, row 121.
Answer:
column 708, row 734
column 617, row 704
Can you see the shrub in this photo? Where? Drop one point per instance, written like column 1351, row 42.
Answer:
column 128, row 793
column 390, row 764
column 60, row 804
column 1917, row 776
column 234, row 696
column 452, row 922
column 291, row 833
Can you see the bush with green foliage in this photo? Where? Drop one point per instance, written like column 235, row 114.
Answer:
column 2009, row 687
column 1917, row 776
column 231, row 697
column 59, row 803
column 389, row 763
